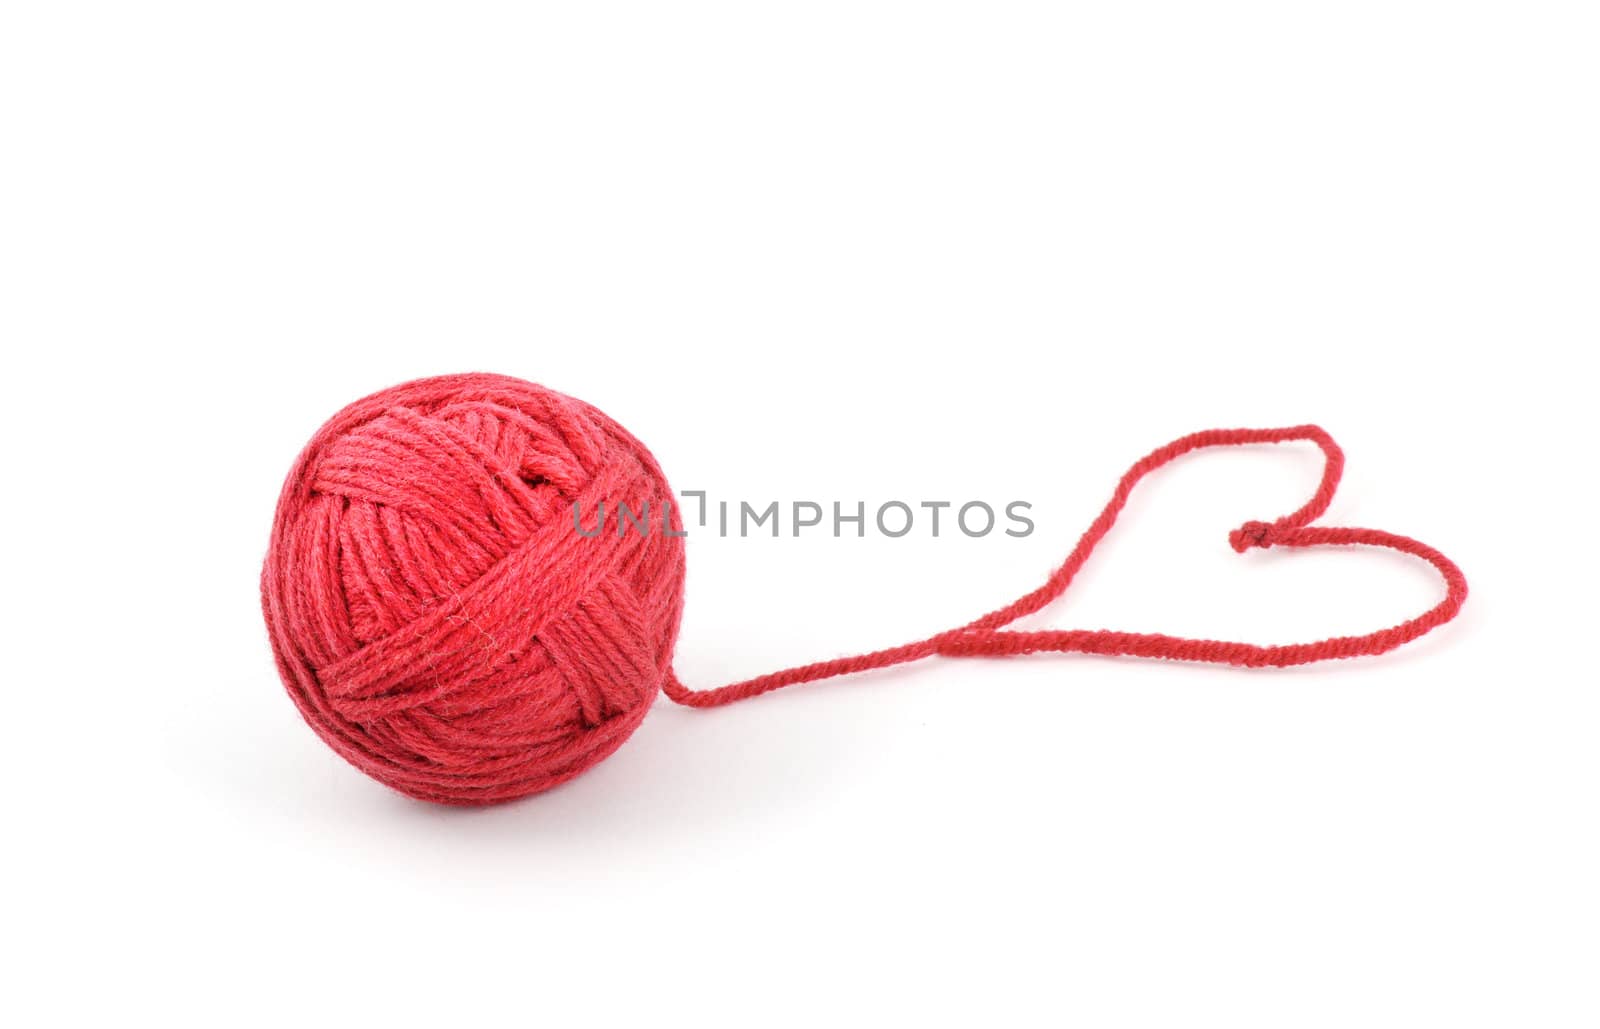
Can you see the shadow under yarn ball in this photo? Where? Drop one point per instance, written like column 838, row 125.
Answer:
column 433, row 612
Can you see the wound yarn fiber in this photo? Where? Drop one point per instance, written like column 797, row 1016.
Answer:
column 434, row 615
column 439, row 623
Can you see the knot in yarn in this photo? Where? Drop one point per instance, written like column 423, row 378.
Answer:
column 435, row 614
column 1253, row 534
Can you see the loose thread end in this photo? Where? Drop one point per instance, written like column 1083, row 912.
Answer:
column 984, row 637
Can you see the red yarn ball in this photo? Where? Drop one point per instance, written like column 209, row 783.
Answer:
column 435, row 614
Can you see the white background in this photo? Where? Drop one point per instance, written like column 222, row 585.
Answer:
column 857, row 250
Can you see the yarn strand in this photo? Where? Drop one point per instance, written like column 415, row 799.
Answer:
column 986, row 637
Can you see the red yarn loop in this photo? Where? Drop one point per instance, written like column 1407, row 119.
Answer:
column 984, row 637
column 441, row 626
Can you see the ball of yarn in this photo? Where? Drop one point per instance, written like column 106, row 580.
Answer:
column 435, row 614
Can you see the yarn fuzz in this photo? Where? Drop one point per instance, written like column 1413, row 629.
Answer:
column 433, row 613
